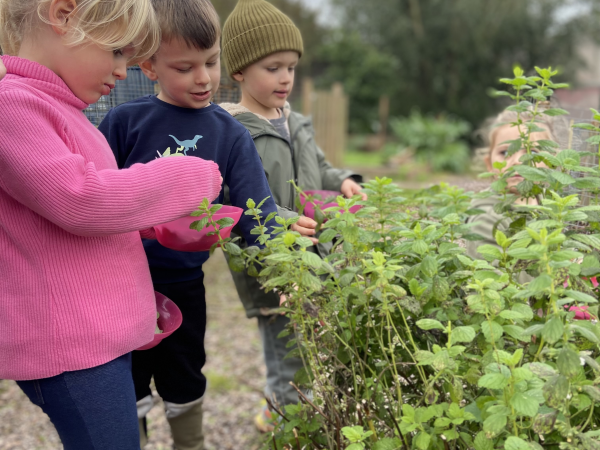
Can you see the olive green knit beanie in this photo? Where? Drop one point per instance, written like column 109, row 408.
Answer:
column 256, row 29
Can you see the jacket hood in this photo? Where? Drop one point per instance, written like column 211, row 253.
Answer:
column 257, row 124
column 235, row 109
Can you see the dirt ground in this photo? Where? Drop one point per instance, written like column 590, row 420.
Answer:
column 235, row 373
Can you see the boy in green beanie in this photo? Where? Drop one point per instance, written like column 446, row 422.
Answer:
column 261, row 48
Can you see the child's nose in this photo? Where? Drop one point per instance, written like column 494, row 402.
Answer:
column 514, row 159
column 202, row 76
column 120, row 71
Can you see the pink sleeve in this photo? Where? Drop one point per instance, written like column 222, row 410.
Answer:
column 40, row 171
column 148, row 233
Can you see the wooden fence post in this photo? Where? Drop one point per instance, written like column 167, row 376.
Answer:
column 329, row 111
column 307, row 96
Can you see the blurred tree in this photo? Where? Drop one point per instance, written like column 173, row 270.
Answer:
column 443, row 55
column 366, row 73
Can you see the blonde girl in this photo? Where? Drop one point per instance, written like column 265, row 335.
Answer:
column 75, row 292
column 502, row 131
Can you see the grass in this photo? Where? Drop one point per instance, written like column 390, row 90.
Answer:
column 355, row 158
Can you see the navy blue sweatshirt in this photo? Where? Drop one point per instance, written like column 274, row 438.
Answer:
column 141, row 130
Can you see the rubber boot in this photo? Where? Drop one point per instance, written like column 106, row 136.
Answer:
column 186, row 429
column 143, row 432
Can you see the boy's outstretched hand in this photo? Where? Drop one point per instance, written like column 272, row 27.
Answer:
column 350, row 188
column 306, row 227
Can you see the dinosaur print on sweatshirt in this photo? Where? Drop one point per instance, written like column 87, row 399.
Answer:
column 186, row 145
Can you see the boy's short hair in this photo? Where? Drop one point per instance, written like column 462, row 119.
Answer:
column 194, row 21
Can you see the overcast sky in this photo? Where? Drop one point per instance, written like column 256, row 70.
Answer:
column 322, row 5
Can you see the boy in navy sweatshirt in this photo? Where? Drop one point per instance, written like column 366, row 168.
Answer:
column 181, row 119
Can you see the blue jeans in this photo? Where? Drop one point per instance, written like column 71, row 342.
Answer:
column 92, row 409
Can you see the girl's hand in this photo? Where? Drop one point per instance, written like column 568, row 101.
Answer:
column 2, row 70
column 350, row 188
column 306, row 227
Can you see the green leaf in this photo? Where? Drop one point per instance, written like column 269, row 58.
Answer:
column 430, row 324
column 539, row 284
column 580, row 296
column 327, row 236
column 463, row 334
column 568, row 362
column 542, row 370
column 304, row 242
column 593, row 392
column 553, row 330
column 556, row 112
column 562, row 177
column 356, row 446
column 493, row 381
column 531, row 174
column 565, row 255
column 525, row 310
column 429, row 266
column 289, row 239
column 312, row 259
column 353, row 434
column 515, row 443
column 544, row 423
column 388, row 444
column 442, row 422
column 511, row 315
column 492, row 331
column 420, row 247
column 556, row 390
column 588, row 334
column 482, row 442
column 280, row 257
column 587, row 183
column 525, row 406
column 422, row 440
column 495, row 423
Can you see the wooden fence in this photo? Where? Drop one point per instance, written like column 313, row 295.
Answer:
column 329, row 111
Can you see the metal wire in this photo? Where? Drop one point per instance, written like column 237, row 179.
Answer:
column 137, row 85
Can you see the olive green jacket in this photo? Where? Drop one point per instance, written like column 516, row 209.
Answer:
column 484, row 226
column 302, row 161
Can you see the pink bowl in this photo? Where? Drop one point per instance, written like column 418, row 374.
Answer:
column 309, row 209
column 177, row 235
column 169, row 320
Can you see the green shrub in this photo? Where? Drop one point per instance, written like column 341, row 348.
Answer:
column 410, row 344
column 436, row 141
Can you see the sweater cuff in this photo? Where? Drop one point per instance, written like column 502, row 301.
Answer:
column 148, row 233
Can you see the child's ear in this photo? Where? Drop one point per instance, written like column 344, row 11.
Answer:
column 58, row 14
column 148, row 69
column 238, row 76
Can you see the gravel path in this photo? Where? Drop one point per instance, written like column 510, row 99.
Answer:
column 235, row 372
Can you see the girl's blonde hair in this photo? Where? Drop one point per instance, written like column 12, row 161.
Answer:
column 111, row 24
column 556, row 127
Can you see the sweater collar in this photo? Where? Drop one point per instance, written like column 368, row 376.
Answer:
column 42, row 78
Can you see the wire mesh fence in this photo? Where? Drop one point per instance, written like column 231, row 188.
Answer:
column 137, row 85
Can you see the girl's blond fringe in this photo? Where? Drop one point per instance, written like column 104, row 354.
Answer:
column 111, row 24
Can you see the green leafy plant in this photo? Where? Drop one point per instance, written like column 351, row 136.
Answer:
column 405, row 336
column 436, row 141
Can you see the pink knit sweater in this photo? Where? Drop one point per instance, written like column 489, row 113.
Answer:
column 75, row 288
